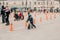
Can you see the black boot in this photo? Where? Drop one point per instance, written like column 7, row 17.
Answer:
column 7, row 24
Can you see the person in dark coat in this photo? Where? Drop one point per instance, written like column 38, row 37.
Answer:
column 16, row 16
column 3, row 14
column 7, row 15
column 30, row 19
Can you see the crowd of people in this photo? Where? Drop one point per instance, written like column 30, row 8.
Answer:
column 5, row 12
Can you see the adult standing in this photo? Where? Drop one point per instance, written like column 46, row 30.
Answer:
column 3, row 13
column 7, row 15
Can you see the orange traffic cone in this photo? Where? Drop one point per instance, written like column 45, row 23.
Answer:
column 34, row 21
column 11, row 27
column 51, row 17
column 46, row 17
column 26, row 24
column 40, row 19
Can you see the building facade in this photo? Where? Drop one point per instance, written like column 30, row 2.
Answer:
column 38, row 4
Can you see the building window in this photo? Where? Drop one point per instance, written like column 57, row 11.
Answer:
column 22, row 3
column 35, row 8
column 35, row 3
column 14, row 3
column 30, row 3
column 38, row 3
column 0, row 3
column 6, row 3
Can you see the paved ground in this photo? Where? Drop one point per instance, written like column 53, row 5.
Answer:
column 47, row 30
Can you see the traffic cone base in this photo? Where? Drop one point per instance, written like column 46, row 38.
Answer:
column 11, row 27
